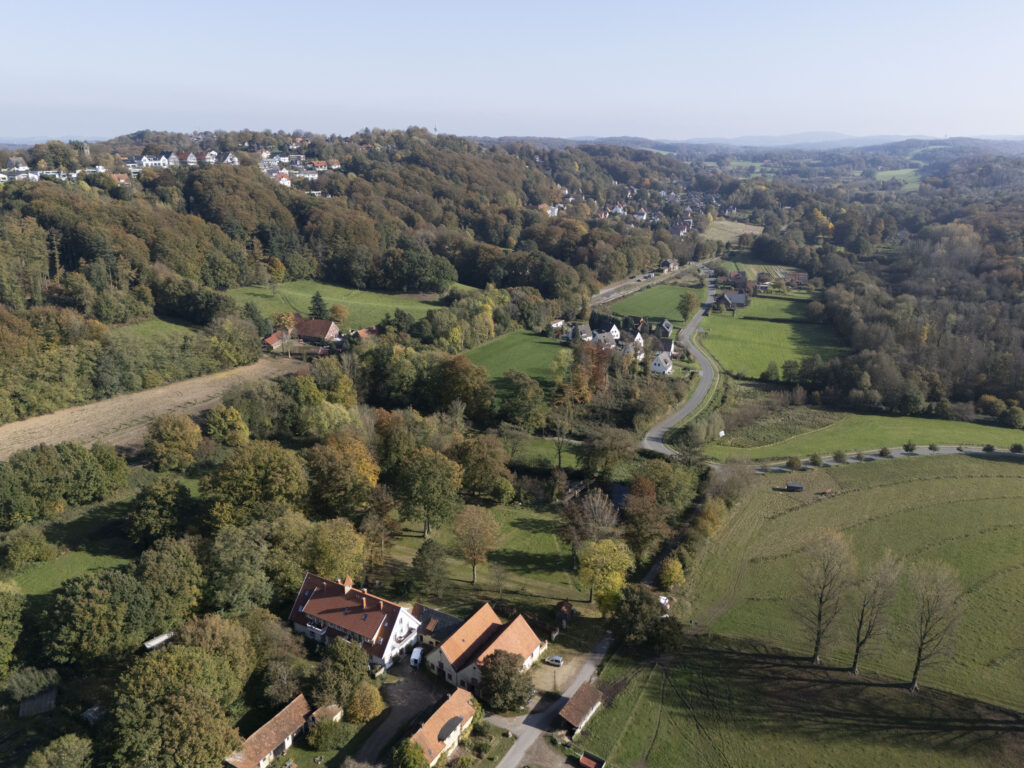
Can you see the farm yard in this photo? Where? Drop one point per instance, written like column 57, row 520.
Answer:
column 964, row 511
column 769, row 329
column 365, row 308
column 720, row 702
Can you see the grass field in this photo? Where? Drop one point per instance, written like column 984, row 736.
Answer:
column 727, row 231
column 658, row 301
column 153, row 330
column 523, row 351
column 745, row 344
column 862, row 432
column 719, row 704
column 909, row 177
column 961, row 510
column 365, row 308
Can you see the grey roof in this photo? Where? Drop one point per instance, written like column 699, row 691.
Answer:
column 734, row 298
column 444, row 624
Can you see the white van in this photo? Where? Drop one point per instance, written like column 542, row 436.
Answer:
column 416, row 657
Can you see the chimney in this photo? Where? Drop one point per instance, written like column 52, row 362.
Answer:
column 364, row 602
column 380, row 604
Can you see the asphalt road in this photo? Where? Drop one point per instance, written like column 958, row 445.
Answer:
column 654, row 440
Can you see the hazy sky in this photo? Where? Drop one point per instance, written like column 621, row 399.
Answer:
column 670, row 70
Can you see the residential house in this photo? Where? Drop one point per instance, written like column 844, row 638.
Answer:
column 659, row 345
column 605, row 340
column 324, row 610
column 584, row 333
column 230, row 159
column 662, row 363
column 153, row 161
column 669, row 265
column 458, row 658
column 211, row 157
column 731, row 300
column 318, row 165
column 315, row 331
column 664, row 329
column 17, row 164
column 3, row 178
column 796, row 279
column 121, row 178
column 334, row 164
column 188, row 158
column 630, row 349
column 171, row 158
column 435, row 626
column 276, row 736
column 612, row 330
column 283, row 179
column 274, row 341
column 443, row 729
column 581, row 707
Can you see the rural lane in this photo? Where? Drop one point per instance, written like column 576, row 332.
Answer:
column 122, row 420
column 654, row 440
column 527, row 729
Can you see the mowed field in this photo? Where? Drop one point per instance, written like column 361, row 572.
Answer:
column 523, row 351
column 365, row 308
column 656, row 302
column 727, row 231
column 770, row 329
column 154, row 331
column 964, row 511
column 732, row 704
column 860, row 432
column 910, row 178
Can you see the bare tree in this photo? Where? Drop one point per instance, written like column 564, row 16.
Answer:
column 936, row 599
column 874, row 596
column 824, row 577
column 590, row 518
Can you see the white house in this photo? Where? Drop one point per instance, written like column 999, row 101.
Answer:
column 211, row 157
column 3, row 178
column 662, row 363
column 171, row 158
column 324, row 610
column 152, row 161
column 16, row 163
column 230, row 159
column 283, row 179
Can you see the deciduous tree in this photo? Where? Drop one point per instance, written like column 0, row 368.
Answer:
column 427, row 488
column 67, row 751
column 478, row 535
column 504, row 684
column 11, row 603
column 604, row 565
column 342, row 474
column 937, row 612
column 226, row 426
column 874, row 595
column 365, row 703
column 824, row 579
column 172, row 441
column 170, row 574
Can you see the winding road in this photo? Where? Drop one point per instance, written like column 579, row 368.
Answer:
column 654, row 440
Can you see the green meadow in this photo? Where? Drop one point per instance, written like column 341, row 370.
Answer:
column 656, row 302
column 523, row 351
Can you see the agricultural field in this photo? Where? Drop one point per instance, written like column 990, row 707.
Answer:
column 721, row 703
column 365, row 308
column 964, row 511
column 822, row 432
column 523, row 351
column 744, row 343
column 727, row 231
column 658, row 301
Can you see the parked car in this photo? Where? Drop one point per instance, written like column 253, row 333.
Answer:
column 555, row 661
column 416, row 658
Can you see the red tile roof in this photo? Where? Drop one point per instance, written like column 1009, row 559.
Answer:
column 319, row 329
column 579, row 706
column 471, row 638
column 344, row 608
column 516, row 637
column 454, row 712
column 271, row 734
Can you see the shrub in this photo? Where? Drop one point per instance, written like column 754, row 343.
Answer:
column 909, row 446
column 28, row 681
column 1017, row 448
column 816, row 460
column 933, row 447
column 860, row 455
column 26, row 545
column 794, row 463
column 839, row 457
column 671, row 575
column 327, row 734
column 989, row 448
column 885, row 453
column 366, row 703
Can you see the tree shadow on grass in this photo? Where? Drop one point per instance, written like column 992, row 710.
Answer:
column 758, row 690
column 100, row 531
column 536, row 525
column 530, row 562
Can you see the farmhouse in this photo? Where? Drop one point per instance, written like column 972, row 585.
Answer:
column 277, row 735
column 662, row 364
column 445, row 727
column 458, row 658
column 581, row 707
column 324, row 610
column 731, row 300
column 274, row 341
column 315, row 331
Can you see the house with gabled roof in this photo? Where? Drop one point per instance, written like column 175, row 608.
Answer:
column 458, row 658
column 731, row 300
column 581, row 707
column 326, row 610
column 664, row 329
column 662, row 363
column 276, row 736
column 443, row 729
column 435, row 626
column 315, row 331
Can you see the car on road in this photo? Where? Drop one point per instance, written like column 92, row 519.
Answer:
column 554, row 661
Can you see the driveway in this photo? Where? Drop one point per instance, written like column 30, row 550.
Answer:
column 528, row 728
column 654, row 440
column 412, row 698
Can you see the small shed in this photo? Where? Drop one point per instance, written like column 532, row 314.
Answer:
column 794, row 487
column 39, row 704
column 581, row 707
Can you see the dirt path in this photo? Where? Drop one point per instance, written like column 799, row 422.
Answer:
column 122, row 420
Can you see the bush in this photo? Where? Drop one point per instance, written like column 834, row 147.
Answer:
column 26, row 545
column 885, row 453
column 366, row 703
column 327, row 734
column 989, row 448
column 860, row 455
column 28, row 681
column 816, row 460
column 671, row 575
column 909, row 447
column 794, row 463
column 839, row 457
column 933, row 447
column 1017, row 448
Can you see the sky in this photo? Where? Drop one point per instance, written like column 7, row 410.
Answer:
column 663, row 70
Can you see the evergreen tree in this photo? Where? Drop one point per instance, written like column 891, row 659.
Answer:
column 318, row 307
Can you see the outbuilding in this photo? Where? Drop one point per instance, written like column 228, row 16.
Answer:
column 794, row 487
